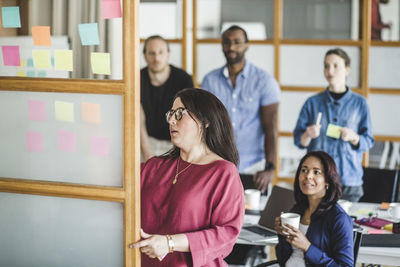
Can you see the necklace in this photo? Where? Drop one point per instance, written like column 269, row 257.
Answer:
column 177, row 173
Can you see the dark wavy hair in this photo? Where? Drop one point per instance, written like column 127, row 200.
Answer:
column 334, row 191
column 216, row 125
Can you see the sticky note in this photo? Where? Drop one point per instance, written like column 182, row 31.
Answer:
column 36, row 110
column 89, row 34
column 41, row 35
column 64, row 111
column 41, row 59
column 22, row 63
column 63, row 60
column 30, row 73
column 333, row 131
column 11, row 55
column 100, row 146
column 29, row 62
column 34, row 142
column 111, row 9
column 67, row 141
column 41, row 73
column 91, row 112
column 21, row 73
column 10, row 17
column 100, row 63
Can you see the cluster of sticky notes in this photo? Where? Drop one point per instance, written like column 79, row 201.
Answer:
column 67, row 140
column 63, row 59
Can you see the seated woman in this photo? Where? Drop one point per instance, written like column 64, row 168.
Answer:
column 325, row 237
column 192, row 199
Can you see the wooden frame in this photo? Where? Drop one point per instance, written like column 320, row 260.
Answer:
column 128, row 88
column 364, row 43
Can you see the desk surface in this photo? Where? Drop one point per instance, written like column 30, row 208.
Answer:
column 374, row 255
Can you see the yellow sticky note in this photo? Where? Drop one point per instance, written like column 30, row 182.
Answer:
column 22, row 62
column 64, row 111
column 100, row 63
column 21, row 73
column 63, row 60
column 333, row 131
column 41, row 59
column 91, row 112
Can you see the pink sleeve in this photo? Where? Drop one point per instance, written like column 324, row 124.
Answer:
column 217, row 241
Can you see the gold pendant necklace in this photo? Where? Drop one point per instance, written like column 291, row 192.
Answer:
column 177, row 173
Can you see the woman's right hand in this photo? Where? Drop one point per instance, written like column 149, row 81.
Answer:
column 154, row 246
column 313, row 131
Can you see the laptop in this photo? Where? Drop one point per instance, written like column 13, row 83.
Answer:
column 281, row 199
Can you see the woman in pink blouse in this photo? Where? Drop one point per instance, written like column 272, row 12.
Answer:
column 192, row 197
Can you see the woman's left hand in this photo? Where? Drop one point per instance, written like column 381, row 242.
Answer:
column 154, row 246
column 297, row 238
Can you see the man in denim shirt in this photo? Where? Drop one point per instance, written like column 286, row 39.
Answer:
column 345, row 111
column 251, row 97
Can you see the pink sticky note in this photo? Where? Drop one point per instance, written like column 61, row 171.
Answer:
column 67, row 141
column 34, row 142
column 111, row 9
column 91, row 112
column 100, row 146
column 11, row 55
column 375, row 231
column 36, row 110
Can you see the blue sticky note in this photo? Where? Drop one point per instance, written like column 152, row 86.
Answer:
column 89, row 34
column 29, row 62
column 30, row 73
column 10, row 17
column 42, row 73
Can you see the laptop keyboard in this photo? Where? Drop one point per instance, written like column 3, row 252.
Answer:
column 259, row 231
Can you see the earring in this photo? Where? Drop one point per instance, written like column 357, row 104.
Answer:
column 327, row 186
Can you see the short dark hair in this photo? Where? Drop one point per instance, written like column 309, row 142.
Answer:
column 236, row 28
column 216, row 125
column 154, row 37
column 334, row 191
column 341, row 53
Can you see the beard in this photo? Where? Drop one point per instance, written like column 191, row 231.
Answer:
column 233, row 60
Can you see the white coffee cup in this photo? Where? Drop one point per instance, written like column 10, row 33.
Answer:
column 345, row 204
column 394, row 211
column 292, row 219
column 252, row 199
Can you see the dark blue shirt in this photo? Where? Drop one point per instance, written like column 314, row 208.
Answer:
column 331, row 238
column 350, row 111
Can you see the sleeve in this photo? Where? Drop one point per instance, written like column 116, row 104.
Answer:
column 206, row 83
column 365, row 130
column 271, row 92
column 217, row 241
column 188, row 83
column 341, row 243
column 283, row 250
column 302, row 122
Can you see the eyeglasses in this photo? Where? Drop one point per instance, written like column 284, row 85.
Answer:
column 234, row 42
column 179, row 112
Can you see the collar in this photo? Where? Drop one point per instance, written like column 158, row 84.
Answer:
column 342, row 100
column 245, row 71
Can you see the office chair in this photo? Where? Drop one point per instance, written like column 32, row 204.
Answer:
column 357, row 237
column 380, row 185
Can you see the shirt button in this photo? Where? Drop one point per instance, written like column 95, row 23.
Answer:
column 234, row 96
column 233, row 109
column 335, row 120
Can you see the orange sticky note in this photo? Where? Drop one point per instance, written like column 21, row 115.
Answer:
column 91, row 112
column 41, row 35
column 385, row 205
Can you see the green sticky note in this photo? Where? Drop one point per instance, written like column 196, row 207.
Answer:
column 64, row 111
column 333, row 131
column 63, row 60
column 100, row 63
column 41, row 59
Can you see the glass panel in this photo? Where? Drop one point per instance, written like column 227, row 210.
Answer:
column 255, row 16
column 51, row 231
column 289, row 109
column 65, row 35
column 320, row 19
column 289, row 157
column 174, row 59
column 44, row 134
column 308, row 69
column 385, row 155
column 260, row 55
column 385, row 18
column 384, row 110
column 161, row 17
column 384, row 67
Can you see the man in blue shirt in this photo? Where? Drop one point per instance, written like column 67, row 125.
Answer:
column 251, row 97
column 343, row 128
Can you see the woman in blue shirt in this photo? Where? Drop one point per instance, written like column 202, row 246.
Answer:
column 325, row 235
column 338, row 122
